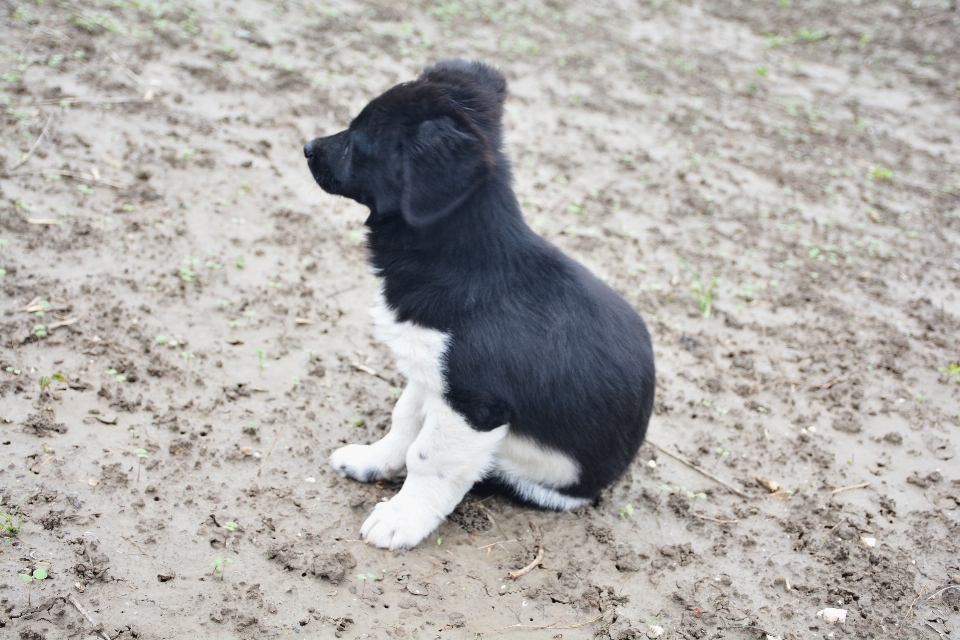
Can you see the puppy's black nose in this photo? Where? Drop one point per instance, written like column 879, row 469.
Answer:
column 308, row 150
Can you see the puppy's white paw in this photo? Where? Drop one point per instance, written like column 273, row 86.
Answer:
column 366, row 462
column 400, row 523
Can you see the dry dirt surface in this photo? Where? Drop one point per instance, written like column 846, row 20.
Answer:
column 184, row 337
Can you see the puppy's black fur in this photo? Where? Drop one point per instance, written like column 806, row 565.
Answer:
column 537, row 341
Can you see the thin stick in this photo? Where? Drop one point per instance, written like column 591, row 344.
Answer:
column 841, row 378
column 907, row 615
column 697, row 515
column 62, row 323
column 94, row 100
column 86, row 615
column 364, row 368
column 116, row 59
column 548, row 626
column 343, row 290
column 910, row 608
column 493, row 544
column 340, row 45
column 699, row 470
column 853, row 486
column 277, row 437
column 495, row 523
column 33, row 148
column 141, row 551
column 513, row 575
column 72, row 174
column 832, row 529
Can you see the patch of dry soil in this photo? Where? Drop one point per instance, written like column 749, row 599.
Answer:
column 205, row 304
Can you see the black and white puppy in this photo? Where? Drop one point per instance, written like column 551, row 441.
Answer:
column 525, row 373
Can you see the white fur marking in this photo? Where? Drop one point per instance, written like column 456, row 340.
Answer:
column 541, row 495
column 385, row 458
column 419, row 351
column 445, row 460
column 443, row 454
column 524, row 459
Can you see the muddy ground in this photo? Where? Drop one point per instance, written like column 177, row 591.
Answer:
column 198, row 309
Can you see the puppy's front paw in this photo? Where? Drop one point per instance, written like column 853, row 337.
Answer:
column 363, row 462
column 400, row 523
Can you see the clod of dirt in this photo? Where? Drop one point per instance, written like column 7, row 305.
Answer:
column 113, row 475
column 52, row 520
column 627, row 558
column 470, row 517
column 925, row 481
column 42, row 425
column 603, row 535
column 94, row 563
column 683, row 554
column 180, row 446
column 893, row 437
column 678, row 504
column 340, row 624
column 332, row 566
column 848, row 423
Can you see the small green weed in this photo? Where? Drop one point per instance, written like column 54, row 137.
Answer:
column 219, row 564
column 704, row 294
column 952, row 369
column 812, row 35
column 7, row 524
column 665, row 488
column 261, row 355
column 46, row 381
column 878, row 172
column 38, row 574
column 627, row 510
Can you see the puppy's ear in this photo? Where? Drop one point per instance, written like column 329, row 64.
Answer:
column 442, row 166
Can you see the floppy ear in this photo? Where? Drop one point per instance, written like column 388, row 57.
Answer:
column 441, row 167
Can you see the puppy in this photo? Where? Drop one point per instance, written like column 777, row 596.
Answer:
column 526, row 375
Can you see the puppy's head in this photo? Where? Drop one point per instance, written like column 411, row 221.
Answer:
column 421, row 148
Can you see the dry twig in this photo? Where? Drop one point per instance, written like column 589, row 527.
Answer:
column 86, row 615
column 932, row 595
column 841, row 378
column 513, row 575
column 277, row 437
column 72, row 174
column 702, row 517
column 852, row 486
column 141, row 551
column 95, row 100
column 832, row 529
column 547, row 626
column 22, row 160
column 699, row 470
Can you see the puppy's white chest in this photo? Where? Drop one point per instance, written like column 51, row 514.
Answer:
column 420, row 352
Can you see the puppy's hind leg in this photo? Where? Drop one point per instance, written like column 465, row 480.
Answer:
column 385, row 458
column 446, row 459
